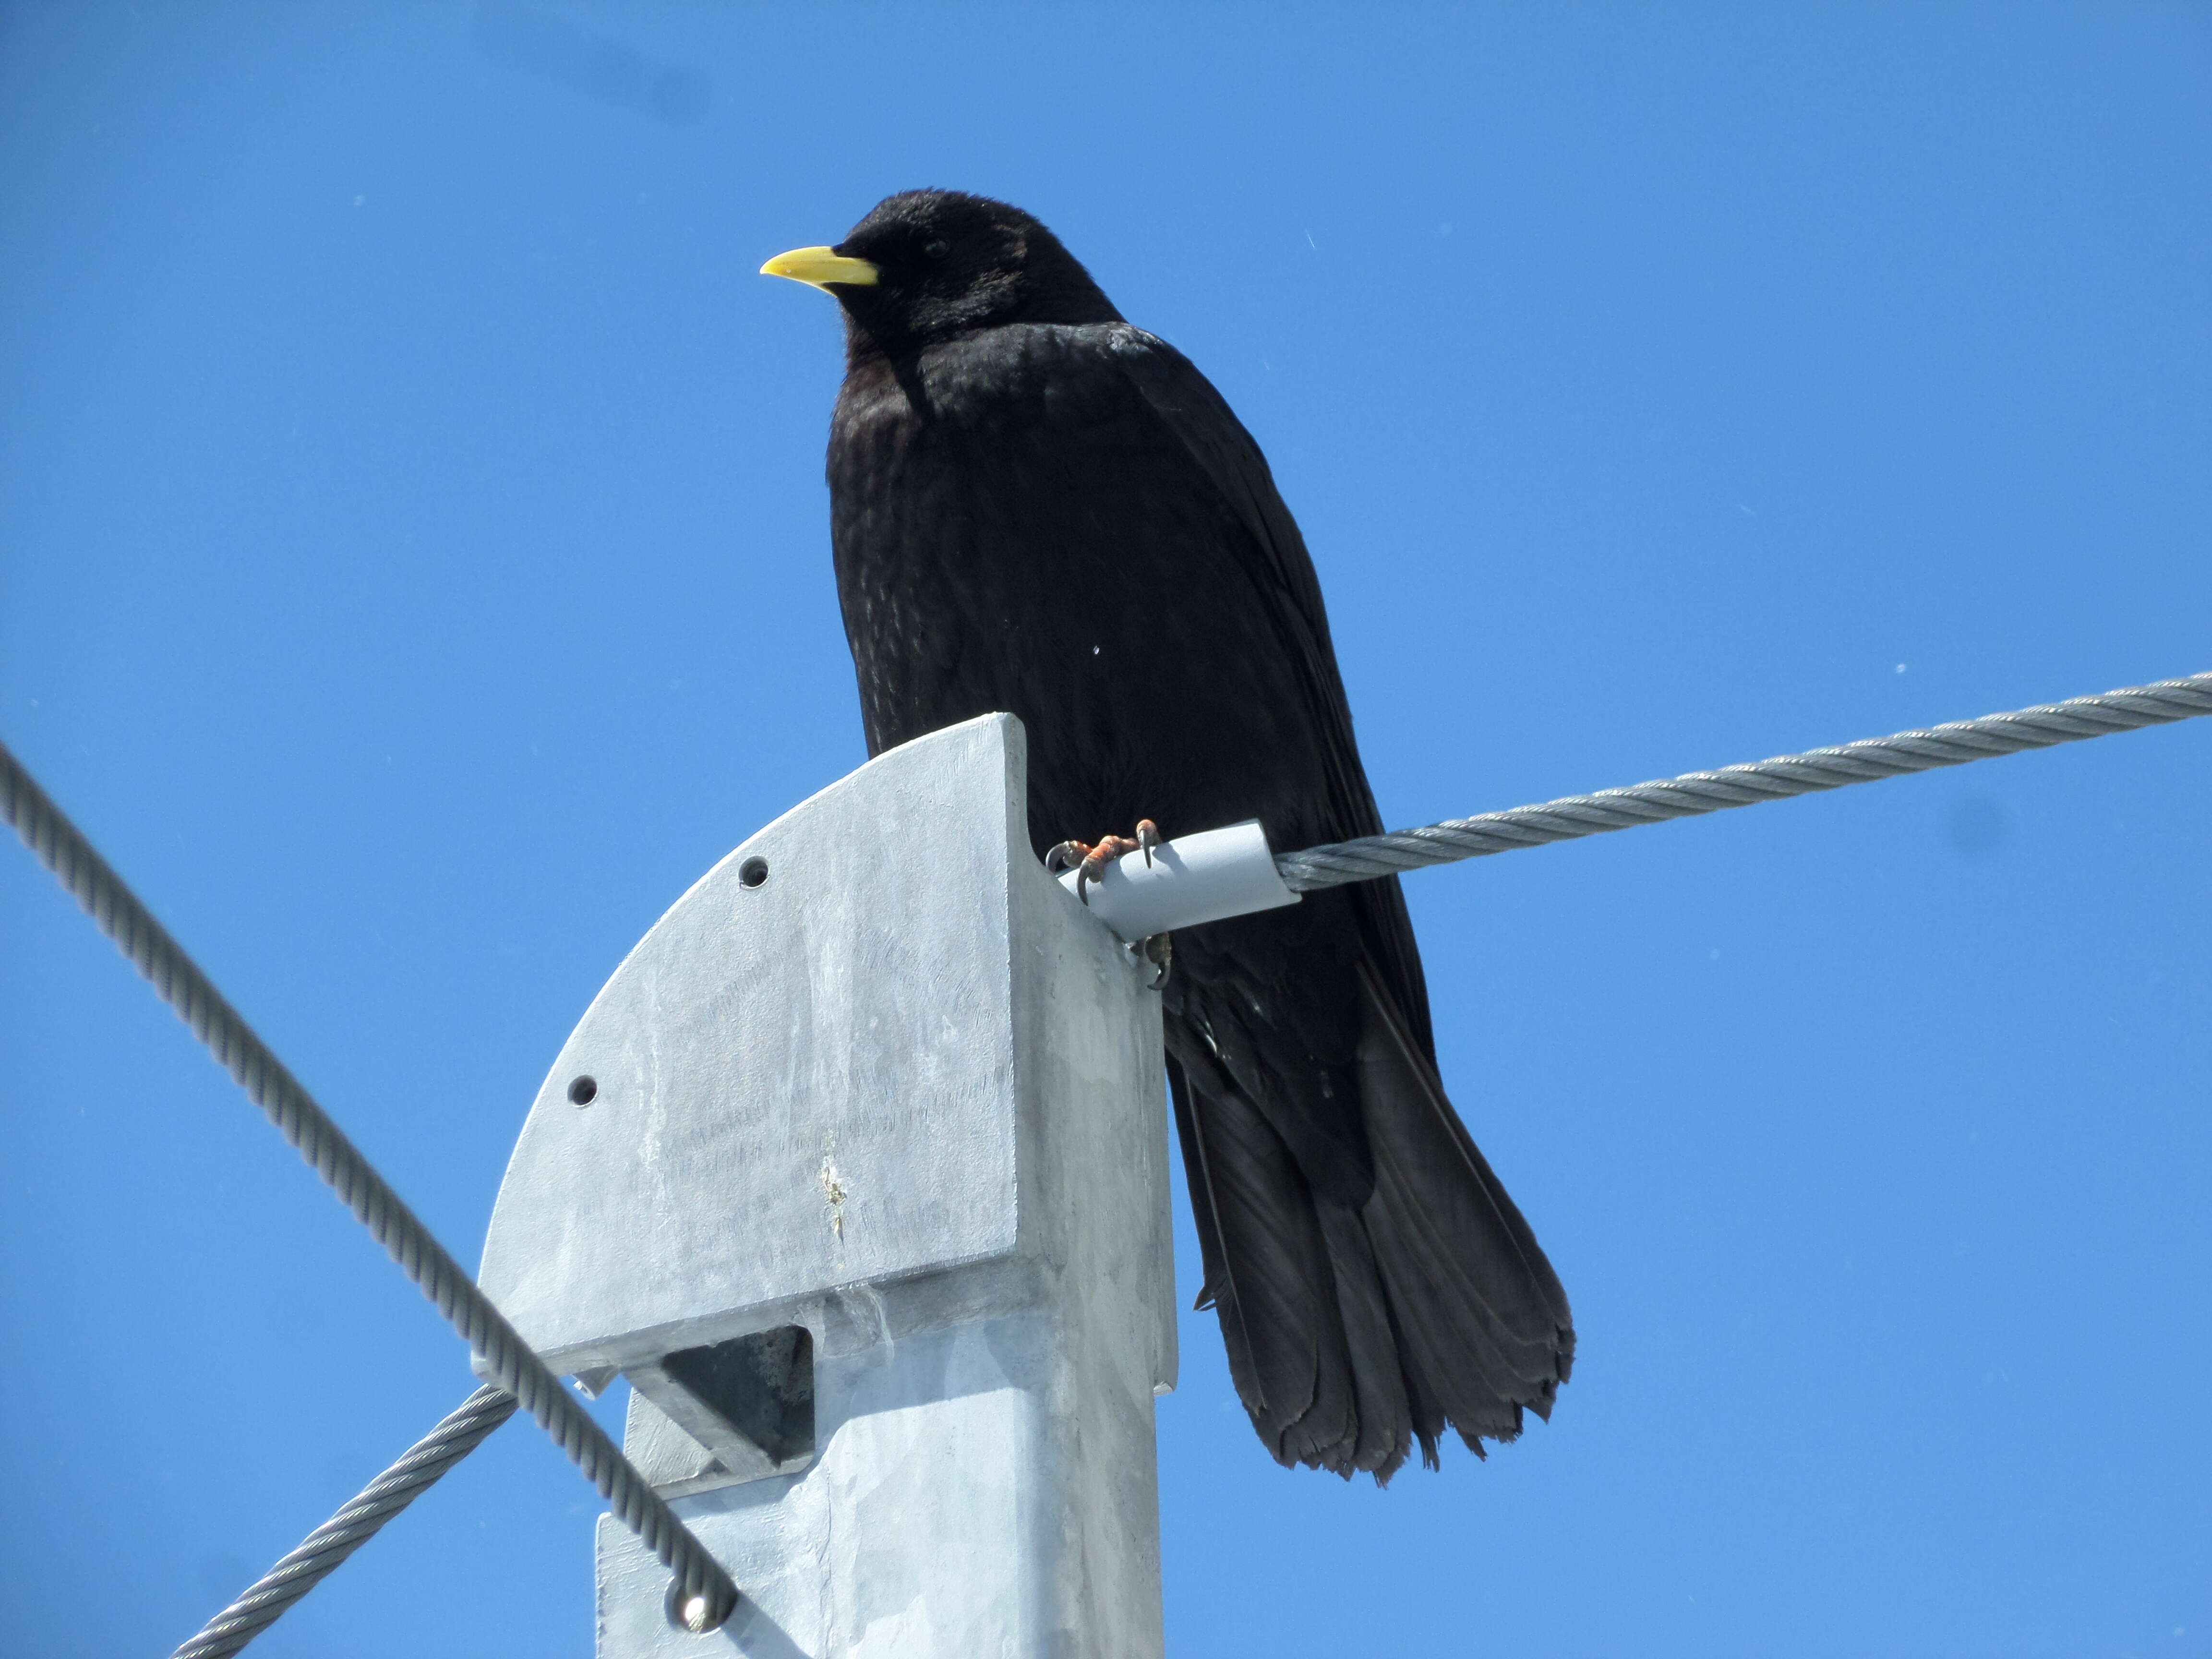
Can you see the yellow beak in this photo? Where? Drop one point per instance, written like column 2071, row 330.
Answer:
column 822, row 266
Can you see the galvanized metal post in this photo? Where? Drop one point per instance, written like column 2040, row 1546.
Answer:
column 857, row 1168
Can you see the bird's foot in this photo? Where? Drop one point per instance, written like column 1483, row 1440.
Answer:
column 1158, row 949
column 1088, row 860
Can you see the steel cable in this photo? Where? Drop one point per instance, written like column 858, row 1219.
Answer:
column 324, row 1550
column 87, row 877
column 1873, row 758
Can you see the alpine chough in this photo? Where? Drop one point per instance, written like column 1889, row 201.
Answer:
column 1037, row 507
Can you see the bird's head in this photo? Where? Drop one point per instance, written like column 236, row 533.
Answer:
column 927, row 266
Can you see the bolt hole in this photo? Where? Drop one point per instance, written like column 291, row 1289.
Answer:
column 584, row 1090
column 752, row 873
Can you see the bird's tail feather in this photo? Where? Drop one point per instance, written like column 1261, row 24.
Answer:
column 1483, row 1319
column 1351, row 1332
column 1267, row 1273
column 1383, row 1427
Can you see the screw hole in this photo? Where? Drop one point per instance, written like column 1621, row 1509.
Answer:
column 584, row 1090
column 752, row 873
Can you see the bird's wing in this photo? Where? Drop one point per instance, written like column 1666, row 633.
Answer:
column 1443, row 1309
column 1200, row 418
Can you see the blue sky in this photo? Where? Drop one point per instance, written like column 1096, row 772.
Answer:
column 414, row 572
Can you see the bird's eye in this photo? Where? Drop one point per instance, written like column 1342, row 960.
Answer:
column 936, row 248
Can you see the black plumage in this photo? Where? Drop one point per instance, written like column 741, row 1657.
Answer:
column 1037, row 507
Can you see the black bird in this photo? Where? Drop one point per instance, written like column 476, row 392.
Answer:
column 1037, row 507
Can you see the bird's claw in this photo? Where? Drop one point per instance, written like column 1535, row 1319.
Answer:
column 1108, row 848
column 1158, row 949
column 1089, row 861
